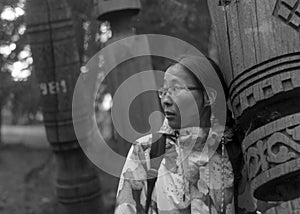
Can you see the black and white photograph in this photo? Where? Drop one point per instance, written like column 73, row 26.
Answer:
column 149, row 106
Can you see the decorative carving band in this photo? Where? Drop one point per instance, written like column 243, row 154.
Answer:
column 265, row 80
column 273, row 151
column 291, row 207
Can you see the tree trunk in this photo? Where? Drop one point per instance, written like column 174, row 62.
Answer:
column 259, row 52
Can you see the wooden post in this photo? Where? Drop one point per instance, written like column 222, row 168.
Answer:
column 119, row 14
column 56, row 63
column 259, row 52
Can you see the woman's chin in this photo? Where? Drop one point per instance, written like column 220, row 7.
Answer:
column 173, row 124
column 177, row 125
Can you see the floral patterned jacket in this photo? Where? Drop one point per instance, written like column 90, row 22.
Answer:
column 189, row 179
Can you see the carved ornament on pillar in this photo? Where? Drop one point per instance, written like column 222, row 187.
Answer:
column 288, row 11
column 273, row 151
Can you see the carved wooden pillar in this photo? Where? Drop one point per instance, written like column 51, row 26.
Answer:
column 56, row 64
column 119, row 14
column 259, row 52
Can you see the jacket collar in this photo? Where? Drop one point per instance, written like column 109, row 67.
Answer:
column 199, row 134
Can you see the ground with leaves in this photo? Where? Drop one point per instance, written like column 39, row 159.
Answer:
column 27, row 176
column 26, row 180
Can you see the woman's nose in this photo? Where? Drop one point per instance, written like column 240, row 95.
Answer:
column 166, row 100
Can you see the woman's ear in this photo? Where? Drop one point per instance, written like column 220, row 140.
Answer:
column 211, row 96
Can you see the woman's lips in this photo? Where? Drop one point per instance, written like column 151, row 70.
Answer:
column 169, row 115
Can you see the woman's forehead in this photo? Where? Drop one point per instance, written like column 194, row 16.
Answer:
column 178, row 74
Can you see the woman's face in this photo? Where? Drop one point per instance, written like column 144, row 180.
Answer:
column 183, row 108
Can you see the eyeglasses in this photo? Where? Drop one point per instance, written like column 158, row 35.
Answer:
column 174, row 91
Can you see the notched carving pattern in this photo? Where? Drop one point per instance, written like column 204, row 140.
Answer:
column 288, row 11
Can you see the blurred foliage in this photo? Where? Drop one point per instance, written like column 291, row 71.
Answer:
column 7, row 31
column 17, row 92
column 10, row 33
column 185, row 19
column 188, row 20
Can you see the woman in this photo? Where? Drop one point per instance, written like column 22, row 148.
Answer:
column 189, row 179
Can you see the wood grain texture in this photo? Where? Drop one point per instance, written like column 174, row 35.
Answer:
column 263, row 42
column 222, row 39
column 252, row 34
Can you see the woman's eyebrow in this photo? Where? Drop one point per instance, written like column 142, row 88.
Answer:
column 174, row 82
column 178, row 82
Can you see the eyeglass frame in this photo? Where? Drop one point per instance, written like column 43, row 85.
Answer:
column 165, row 91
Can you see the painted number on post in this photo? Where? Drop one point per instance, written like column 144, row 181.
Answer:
column 52, row 88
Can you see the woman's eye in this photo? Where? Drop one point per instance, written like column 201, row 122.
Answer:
column 178, row 88
column 172, row 89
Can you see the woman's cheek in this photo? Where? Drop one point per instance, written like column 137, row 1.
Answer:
column 188, row 110
column 186, row 103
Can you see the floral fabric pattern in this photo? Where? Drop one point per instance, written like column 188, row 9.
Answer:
column 189, row 180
